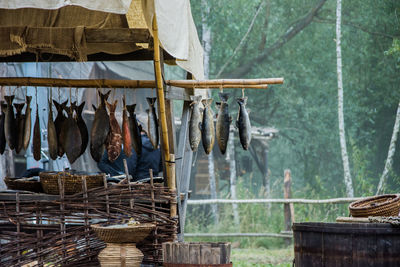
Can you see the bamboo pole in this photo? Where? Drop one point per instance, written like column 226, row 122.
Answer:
column 104, row 83
column 170, row 166
column 277, row 200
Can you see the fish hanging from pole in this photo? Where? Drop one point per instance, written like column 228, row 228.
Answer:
column 223, row 122
column 19, row 122
column 114, row 142
column 152, row 130
column 243, row 123
column 100, row 128
column 9, row 123
column 72, row 141
column 207, row 126
column 135, row 130
column 58, row 123
column 82, row 126
column 2, row 135
column 195, row 122
column 126, row 130
column 27, row 123
column 37, row 142
column 52, row 138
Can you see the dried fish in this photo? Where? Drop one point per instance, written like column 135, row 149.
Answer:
column 9, row 123
column 100, row 128
column 223, row 122
column 72, row 141
column 19, row 122
column 207, row 127
column 58, row 123
column 37, row 138
column 152, row 131
column 27, row 123
column 82, row 126
column 243, row 124
column 136, row 139
column 52, row 138
column 2, row 135
column 114, row 142
column 126, row 133
column 195, row 122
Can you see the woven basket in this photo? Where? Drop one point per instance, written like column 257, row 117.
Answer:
column 23, row 184
column 123, row 233
column 117, row 255
column 384, row 205
column 72, row 182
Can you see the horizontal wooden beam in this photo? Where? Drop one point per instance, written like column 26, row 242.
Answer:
column 279, row 201
column 237, row 235
column 227, row 83
column 118, row 35
column 103, row 83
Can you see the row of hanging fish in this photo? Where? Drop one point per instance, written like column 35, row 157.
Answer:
column 201, row 124
column 69, row 134
column 107, row 134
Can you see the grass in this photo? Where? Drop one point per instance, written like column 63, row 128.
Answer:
column 261, row 257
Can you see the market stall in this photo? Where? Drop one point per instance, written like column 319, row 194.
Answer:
column 45, row 228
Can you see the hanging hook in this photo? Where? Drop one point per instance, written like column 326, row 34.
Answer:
column 242, row 92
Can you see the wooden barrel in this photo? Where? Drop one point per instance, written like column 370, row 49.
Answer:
column 196, row 254
column 346, row 244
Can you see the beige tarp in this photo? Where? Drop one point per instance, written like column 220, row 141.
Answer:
column 177, row 32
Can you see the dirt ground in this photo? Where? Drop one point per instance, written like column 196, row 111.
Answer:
column 260, row 257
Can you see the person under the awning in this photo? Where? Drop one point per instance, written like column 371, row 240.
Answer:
column 138, row 166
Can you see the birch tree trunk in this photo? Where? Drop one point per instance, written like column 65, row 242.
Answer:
column 392, row 148
column 342, row 134
column 232, row 177
column 206, row 40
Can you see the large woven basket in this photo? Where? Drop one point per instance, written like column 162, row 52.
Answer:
column 384, row 205
column 23, row 184
column 123, row 233
column 72, row 182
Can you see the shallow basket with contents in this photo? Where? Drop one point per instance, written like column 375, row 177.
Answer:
column 384, row 205
column 72, row 181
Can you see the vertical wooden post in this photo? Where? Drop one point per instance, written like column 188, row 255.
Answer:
column 170, row 164
column 288, row 208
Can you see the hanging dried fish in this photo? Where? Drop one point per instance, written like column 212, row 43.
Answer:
column 27, row 123
column 152, row 130
column 126, row 133
column 114, row 142
column 37, row 137
column 223, row 122
column 207, row 127
column 195, row 122
column 2, row 135
column 52, row 138
column 82, row 126
column 72, row 140
column 100, row 128
column 136, row 139
column 243, row 123
column 19, row 122
column 9, row 123
column 58, row 123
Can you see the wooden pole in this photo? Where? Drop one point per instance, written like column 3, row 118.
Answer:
column 170, row 164
column 105, row 83
column 288, row 208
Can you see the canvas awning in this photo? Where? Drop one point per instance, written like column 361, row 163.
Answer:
column 81, row 29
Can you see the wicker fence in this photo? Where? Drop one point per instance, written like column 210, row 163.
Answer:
column 42, row 229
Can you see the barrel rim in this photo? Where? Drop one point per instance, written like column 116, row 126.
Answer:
column 349, row 228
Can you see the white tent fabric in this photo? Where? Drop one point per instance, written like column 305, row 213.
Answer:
column 177, row 31
column 114, row 6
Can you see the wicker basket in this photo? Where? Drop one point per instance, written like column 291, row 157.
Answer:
column 123, row 233
column 72, row 182
column 384, row 205
column 23, row 184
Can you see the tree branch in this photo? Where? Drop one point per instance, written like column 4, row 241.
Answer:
column 353, row 25
column 241, row 41
column 282, row 40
